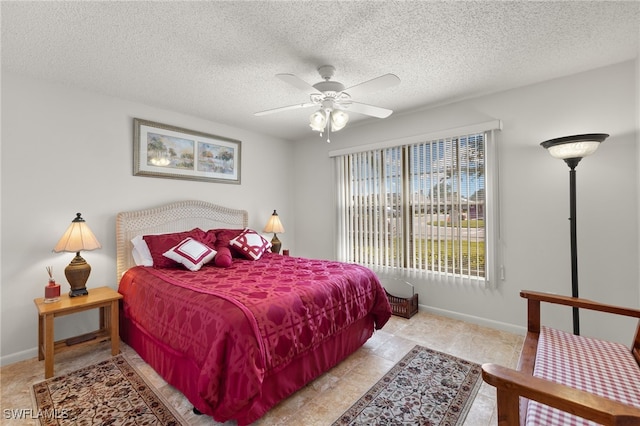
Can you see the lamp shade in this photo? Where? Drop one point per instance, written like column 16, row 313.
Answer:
column 577, row 146
column 318, row 121
column 77, row 237
column 274, row 225
column 339, row 119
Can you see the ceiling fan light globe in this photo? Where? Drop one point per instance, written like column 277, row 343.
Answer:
column 318, row 121
column 339, row 119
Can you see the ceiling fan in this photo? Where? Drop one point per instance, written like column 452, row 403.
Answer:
column 334, row 100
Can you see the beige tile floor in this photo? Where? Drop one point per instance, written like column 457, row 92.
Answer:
column 325, row 399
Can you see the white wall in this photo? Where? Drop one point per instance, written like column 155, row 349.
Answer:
column 534, row 190
column 66, row 151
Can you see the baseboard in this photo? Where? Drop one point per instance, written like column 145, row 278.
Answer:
column 498, row 325
column 18, row 356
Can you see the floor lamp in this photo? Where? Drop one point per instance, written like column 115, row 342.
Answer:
column 572, row 149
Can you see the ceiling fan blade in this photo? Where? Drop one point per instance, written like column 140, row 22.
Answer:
column 377, row 83
column 285, row 108
column 365, row 109
column 297, row 82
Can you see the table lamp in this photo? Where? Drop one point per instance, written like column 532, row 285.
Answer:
column 76, row 238
column 274, row 225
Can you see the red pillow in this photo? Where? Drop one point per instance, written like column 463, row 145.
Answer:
column 159, row 244
column 222, row 238
column 208, row 238
column 223, row 258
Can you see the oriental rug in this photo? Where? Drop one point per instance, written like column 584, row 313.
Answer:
column 110, row 392
column 426, row 387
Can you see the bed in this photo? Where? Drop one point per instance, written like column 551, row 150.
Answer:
column 237, row 339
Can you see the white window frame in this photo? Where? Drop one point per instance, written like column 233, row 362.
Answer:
column 492, row 208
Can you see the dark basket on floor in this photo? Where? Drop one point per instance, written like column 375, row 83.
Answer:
column 402, row 307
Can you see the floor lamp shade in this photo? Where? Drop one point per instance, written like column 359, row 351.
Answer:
column 274, row 226
column 577, row 146
column 572, row 149
column 77, row 237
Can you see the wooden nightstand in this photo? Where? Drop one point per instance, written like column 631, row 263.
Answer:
column 104, row 298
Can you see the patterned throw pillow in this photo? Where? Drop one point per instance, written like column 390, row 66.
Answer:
column 250, row 244
column 191, row 253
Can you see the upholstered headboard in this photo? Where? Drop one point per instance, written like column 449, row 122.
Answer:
column 172, row 217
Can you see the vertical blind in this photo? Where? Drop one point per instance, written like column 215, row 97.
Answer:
column 417, row 207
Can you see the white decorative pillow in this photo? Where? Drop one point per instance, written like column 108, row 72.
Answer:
column 250, row 244
column 140, row 252
column 191, row 253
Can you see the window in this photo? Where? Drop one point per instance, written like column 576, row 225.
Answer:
column 419, row 206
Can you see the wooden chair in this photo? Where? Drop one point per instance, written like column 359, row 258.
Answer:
column 513, row 384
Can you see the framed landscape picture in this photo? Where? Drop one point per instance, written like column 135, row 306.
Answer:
column 165, row 151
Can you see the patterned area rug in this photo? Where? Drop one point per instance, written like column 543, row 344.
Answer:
column 111, row 392
column 425, row 388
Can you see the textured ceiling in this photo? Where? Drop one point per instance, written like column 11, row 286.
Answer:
column 217, row 60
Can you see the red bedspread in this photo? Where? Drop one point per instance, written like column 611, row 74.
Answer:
column 236, row 325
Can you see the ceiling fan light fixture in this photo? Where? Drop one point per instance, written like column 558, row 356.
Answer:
column 318, row 121
column 332, row 98
column 339, row 119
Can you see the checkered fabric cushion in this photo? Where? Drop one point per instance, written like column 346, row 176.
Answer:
column 602, row 368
